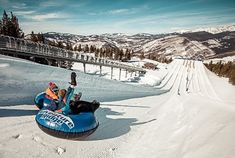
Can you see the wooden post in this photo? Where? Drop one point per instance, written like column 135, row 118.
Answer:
column 111, row 72
column 58, row 63
column 120, row 70
column 100, row 70
column 84, row 66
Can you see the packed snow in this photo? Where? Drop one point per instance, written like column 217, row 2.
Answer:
column 188, row 113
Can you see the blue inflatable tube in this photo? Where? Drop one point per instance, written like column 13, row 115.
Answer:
column 67, row 127
column 73, row 126
column 41, row 101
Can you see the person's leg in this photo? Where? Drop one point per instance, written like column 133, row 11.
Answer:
column 84, row 106
column 69, row 94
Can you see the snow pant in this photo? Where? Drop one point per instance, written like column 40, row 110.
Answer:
column 83, row 106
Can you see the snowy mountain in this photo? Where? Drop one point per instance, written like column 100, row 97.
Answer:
column 189, row 44
column 213, row 30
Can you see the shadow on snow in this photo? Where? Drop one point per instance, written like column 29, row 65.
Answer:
column 112, row 128
column 17, row 112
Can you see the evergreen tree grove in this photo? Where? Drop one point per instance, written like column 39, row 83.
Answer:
column 223, row 70
column 9, row 26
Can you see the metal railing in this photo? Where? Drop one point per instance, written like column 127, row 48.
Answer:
column 27, row 47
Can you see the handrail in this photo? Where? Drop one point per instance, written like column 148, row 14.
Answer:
column 28, row 47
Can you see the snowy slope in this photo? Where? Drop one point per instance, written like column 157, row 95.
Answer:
column 25, row 76
column 172, row 46
column 194, row 119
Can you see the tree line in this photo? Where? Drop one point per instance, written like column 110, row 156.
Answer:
column 107, row 52
column 223, row 70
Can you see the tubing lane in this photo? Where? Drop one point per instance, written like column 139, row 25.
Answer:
column 202, row 82
column 176, row 74
column 170, row 67
column 170, row 76
column 167, row 78
column 181, row 79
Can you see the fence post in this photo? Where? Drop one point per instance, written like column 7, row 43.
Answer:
column 111, row 72
column 120, row 70
column 84, row 66
column 100, row 70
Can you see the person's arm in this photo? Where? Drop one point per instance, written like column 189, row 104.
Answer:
column 68, row 97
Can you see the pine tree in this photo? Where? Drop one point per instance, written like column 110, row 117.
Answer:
column 75, row 48
column 60, row 44
column 41, row 38
column 69, row 46
column 91, row 50
column 94, row 48
column 142, row 55
column 116, row 54
column 79, row 48
column 52, row 43
column 33, row 37
column 96, row 53
column 10, row 26
column 121, row 55
column 128, row 56
column 86, row 49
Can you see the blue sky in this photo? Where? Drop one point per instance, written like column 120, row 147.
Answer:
column 119, row 16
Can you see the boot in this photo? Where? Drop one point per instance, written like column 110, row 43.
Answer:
column 95, row 105
column 73, row 79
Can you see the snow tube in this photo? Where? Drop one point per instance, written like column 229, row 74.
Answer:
column 74, row 126
column 42, row 101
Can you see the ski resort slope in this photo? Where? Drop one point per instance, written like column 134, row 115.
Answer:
column 189, row 114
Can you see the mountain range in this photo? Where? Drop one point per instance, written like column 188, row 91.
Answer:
column 200, row 43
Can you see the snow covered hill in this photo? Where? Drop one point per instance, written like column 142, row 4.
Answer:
column 213, row 30
column 193, row 118
column 191, row 44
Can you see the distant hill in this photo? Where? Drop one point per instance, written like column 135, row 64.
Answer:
column 190, row 44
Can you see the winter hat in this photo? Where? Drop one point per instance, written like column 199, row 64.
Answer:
column 53, row 86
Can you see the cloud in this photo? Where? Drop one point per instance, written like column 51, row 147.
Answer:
column 111, row 12
column 47, row 16
column 61, row 3
column 12, row 5
column 118, row 11
column 19, row 5
column 49, row 4
column 22, row 13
